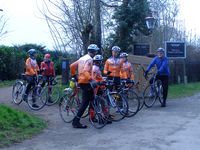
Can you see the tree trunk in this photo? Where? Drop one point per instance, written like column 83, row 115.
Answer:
column 97, row 23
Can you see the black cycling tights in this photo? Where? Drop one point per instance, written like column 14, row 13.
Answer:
column 164, row 79
column 87, row 96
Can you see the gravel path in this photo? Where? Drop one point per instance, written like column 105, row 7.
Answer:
column 171, row 128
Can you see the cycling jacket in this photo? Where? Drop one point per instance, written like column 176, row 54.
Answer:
column 31, row 67
column 113, row 65
column 84, row 67
column 96, row 73
column 161, row 64
column 47, row 68
column 126, row 71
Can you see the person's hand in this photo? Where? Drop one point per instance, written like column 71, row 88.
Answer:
column 109, row 72
column 145, row 74
column 93, row 84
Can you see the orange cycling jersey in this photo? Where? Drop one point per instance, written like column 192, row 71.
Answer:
column 31, row 67
column 96, row 73
column 84, row 66
column 113, row 65
column 126, row 71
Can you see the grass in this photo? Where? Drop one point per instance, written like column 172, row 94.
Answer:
column 183, row 90
column 6, row 83
column 16, row 126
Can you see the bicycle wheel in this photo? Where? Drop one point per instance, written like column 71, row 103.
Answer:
column 53, row 93
column 67, row 109
column 118, row 107
column 149, row 96
column 37, row 98
column 17, row 92
column 133, row 103
column 100, row 118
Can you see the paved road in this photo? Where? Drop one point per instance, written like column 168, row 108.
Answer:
column 175, row 127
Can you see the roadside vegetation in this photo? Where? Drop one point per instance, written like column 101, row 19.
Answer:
column 16, row 126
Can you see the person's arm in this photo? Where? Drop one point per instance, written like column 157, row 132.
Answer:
column 73, row 68
column 163, row 66
column 153, row 62
column 131, row 72
column 106, row 67
column 54, row 72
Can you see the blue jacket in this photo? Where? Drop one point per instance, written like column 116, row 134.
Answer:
column 161, row 64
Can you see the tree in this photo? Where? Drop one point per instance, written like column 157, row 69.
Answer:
column 130, row 18
column 3, row 22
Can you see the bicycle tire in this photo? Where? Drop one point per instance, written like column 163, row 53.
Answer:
column 67, row 109
column 39, row 96
column 54, row 97
column 100, row 117
column 120, row 110
column 17, row 92
column 149, row 99
column 133, row 103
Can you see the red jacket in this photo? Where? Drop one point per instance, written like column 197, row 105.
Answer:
column 48, row 68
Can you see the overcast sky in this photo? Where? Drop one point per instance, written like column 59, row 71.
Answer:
column 25, row 26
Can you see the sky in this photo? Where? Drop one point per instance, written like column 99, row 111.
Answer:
column 26, row 26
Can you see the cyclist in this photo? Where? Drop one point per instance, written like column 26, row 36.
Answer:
column 48, row 71
column 126, row 70
column 84, row 67
column 161, row 63
column 97, row 76
column 113, row 65
column 31, row 73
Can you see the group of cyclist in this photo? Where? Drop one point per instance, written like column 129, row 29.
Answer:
column 87, row 71
column 46, row 68
column 116, row 68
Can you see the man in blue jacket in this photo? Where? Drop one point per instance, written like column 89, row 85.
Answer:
column 161, row 63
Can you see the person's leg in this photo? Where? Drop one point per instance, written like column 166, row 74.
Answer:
column 87, row 96
column 30, row 83
column 165, row 84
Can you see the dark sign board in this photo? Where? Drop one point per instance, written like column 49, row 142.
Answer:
column 141, row 49
column 175, row 49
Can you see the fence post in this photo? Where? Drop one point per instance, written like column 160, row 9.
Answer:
column 65, row 71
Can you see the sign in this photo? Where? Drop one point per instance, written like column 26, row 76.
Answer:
column 175, row 50
column 141, row 49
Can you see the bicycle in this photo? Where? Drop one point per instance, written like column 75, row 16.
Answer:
column 117, row 103
column 36, row 93
column 153, row 92
column 131, row 97
column 52, row 91
column 70, row 102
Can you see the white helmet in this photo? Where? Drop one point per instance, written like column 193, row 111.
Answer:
column 116, row 48
column 98, row 58
column 160, row 49
column 92, row 48
column 123, row 55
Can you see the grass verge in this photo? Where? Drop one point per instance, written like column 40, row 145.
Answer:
column 183, row 90
column 6, row 83
column 16, row 126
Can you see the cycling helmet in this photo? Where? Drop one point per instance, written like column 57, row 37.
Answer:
column 47, row 56
column 116, row 48
column 160, row 49
column 31, row 52
column 98, row 58
column 92, row 48
column 123, row 55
